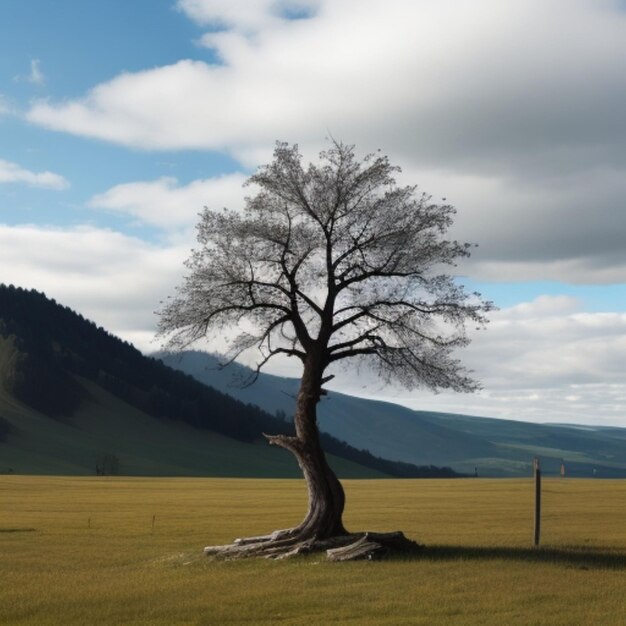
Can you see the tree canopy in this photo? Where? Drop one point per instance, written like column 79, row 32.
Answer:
column 335, row 255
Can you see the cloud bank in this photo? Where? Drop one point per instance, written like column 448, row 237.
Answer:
column 512, row 110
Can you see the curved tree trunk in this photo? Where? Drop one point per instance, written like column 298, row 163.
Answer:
column 326, row 495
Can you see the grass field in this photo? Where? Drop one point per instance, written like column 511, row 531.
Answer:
column 129, row 551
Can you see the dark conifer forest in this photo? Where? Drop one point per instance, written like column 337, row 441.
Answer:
column 52, row 348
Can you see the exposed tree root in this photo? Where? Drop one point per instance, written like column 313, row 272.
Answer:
column 283, row 544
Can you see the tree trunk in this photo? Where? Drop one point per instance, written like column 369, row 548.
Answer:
column 322, row 527
column 326, row 495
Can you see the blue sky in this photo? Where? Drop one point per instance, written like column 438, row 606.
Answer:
column 592, row 298
column 120, row 120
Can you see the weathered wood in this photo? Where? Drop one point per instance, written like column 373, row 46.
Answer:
column 362, row 548
column 373, row 545
column 277, row 534
column 280, row 545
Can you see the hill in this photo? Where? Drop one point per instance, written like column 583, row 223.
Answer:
column 496, row 447
column 74, row 399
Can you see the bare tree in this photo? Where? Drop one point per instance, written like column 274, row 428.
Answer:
column 329, row 263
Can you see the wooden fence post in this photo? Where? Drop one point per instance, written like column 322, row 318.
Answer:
column 537, row 472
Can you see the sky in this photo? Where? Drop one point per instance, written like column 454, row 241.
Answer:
column 120, row 121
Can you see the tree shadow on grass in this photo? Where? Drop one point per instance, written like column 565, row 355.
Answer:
column 582, row 557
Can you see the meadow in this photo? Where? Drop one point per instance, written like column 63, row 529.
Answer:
column 79, row 550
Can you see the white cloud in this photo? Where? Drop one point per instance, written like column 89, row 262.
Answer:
column 543, row 360
column 186, row 105
column 36, row 75
column 509, row 109
column 439, row 80
column 113, row 279
column 245, row 16
column 562, row 227
column 549, row 343
column 13, row 173
column 165, row 203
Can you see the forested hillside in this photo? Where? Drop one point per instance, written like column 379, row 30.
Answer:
column 48, row 354
column 51, row 342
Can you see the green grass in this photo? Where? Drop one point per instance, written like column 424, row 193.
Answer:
column 84, row 551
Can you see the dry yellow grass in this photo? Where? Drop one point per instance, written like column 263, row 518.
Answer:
column 84, row 551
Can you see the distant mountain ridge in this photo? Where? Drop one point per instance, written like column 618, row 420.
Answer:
column 71, row 393
column 493, row 447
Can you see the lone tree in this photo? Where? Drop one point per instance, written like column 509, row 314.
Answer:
column 329, row 263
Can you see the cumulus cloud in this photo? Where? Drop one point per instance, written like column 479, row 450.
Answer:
column 167, row 204
column 447, row 82
column 551, row 343
column 511, row 110
column 111, row 278
column 13, row 173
